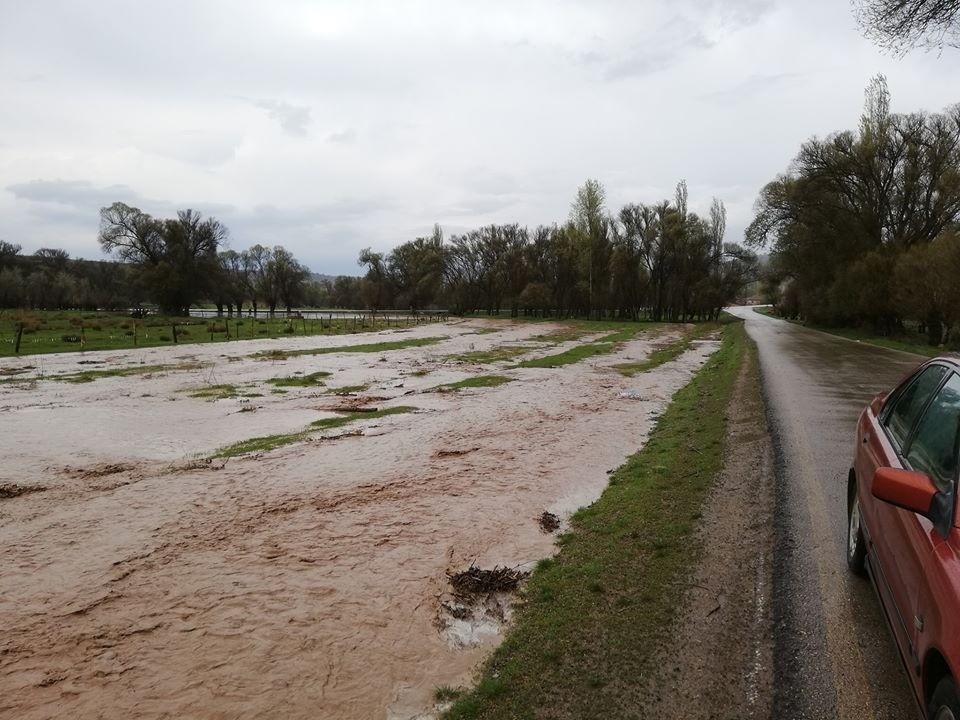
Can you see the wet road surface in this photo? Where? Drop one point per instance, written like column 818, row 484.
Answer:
column 834, row 657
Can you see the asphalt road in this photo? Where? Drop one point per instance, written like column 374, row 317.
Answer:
column 833, row 655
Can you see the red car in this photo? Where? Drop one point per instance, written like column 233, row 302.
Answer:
column 903, row 525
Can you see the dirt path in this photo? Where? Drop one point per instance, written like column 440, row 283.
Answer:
column 306, row 582
column 719, row 664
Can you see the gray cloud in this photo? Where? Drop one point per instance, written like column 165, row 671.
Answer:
column 73, row 193
column 344, row 137
column 294, row 119
column 462, row 113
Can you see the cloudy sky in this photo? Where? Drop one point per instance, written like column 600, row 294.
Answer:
column 330, row 126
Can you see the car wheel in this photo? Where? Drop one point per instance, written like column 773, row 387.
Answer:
column 856, row 549
column 945, row 703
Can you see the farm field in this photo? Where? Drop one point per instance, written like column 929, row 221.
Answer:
column 53, row 331
column 269, row 527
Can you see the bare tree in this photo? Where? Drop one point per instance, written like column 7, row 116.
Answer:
column 177, row 258
column 901, row 25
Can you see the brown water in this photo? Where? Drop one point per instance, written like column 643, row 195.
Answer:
column 302, row 583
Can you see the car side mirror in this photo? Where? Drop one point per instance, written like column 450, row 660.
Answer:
column 906, row 489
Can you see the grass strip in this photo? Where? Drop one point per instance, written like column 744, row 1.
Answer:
column 903, row 343
column 311, row 380
column 55, row 331
column 480, row 381
column 602, row 346
column 85, row 376
column 586, row 633
column 349, row 389
column 669, row 351
column 366, row 348
column 497, row 354
column 272, row 442
column 216, row 392
column 349, row 417
column 568, row 357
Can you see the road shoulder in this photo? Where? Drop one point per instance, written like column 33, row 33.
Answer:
column 718, row 662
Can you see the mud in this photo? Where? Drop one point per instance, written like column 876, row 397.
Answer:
column 719, row 662
column 306, row 582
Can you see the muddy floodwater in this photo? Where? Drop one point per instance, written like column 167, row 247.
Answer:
column 140, row 579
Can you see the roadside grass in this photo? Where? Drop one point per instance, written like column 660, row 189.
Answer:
column 311, row 380
column 587, row 629
column 272, row 442
column 85, row 376
column 366, row 348
column 479, row 381
column 51, row 331
column 497, row 354
column 915, row 344
column 670, row 351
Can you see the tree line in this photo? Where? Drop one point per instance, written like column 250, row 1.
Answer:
column 864, row 226
column 172, row 263
column 660, row 261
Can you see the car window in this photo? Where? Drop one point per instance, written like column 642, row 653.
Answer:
column 910, row 402
column 933, row 449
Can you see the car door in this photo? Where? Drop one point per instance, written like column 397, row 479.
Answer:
column 884, row 441
column 932, row 450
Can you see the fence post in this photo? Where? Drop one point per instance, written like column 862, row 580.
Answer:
column 174, row 328
column 16, row 349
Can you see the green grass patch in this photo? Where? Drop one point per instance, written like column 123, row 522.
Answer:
column 445, row 693
column 670, row 351
column 216, row 392
column 349, row 389
column 85, row 376
column 588, row 629
column 577, row 329
column 57, row 331
column 261, row 444
column 350, row 417
column 367, row 348
column 602, row 346
column 497, row 354
column 311, row 380
column 480, row 381
column 272, row 442
column 568, row 357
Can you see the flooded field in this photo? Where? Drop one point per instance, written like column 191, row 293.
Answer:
column 152, row 570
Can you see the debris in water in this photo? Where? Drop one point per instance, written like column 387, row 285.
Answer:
column 12, row 490
column 454, row 453
column 474, row 581
column 629, row 395
column 549, row 522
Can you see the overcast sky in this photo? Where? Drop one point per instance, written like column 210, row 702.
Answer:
column 328, row 126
